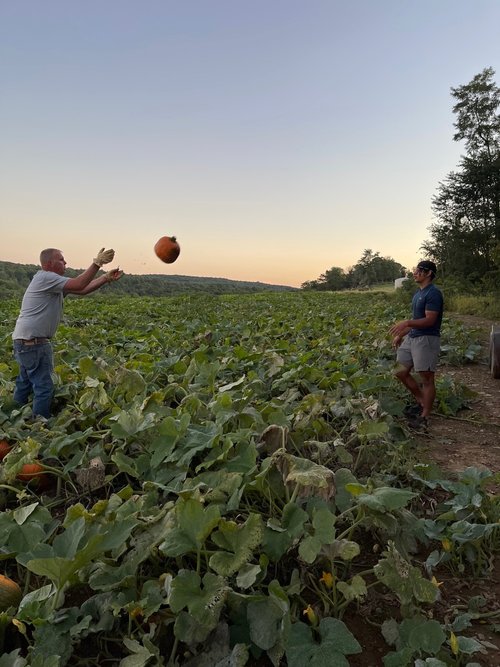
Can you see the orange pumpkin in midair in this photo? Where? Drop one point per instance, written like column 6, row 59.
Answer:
column 167, row 249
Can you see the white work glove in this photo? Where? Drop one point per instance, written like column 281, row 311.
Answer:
column 104, row 257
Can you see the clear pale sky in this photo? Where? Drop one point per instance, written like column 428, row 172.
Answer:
column 274, row 138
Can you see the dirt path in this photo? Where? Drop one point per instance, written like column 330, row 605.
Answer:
column 473, row 438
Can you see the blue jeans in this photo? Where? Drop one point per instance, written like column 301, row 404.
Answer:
column 35, row 376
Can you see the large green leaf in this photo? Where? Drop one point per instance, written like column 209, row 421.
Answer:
column 131, row 421
column 21, row 531
column 465, row 531
column 238, row 541
column 279, row 536
column 141, row 653
column 326, row 648
column 13, row 659
column 413, row 636
column 323, row 534
column 94, row 397
column 51, row 640
column 402, row 658
column 33, row 605
column 128, row 383
column 196, row 439
column 404, row 579
column 108, row 576
column 169, row 432
column 371, row 430
column 311, row 477
column 354, row 590
column 75, row 548
column 202, row 598
column 422, row 635
column 386, row 499
column 344, row 549
column 63, row 570
column 264, row 621
column 343, row 498
column 66, row 544
column 190, row 631
column 194, row 523
column 269, row 620
column 125, row 464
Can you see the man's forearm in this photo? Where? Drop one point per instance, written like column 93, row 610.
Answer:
column 403, row 327
column 422, row 322
column 75, row 285
column 93, row 285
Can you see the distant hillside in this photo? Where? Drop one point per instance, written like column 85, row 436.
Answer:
column 14, row 278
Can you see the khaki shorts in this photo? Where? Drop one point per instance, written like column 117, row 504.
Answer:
column 421, row 353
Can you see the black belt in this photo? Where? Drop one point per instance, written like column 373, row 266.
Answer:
column 32, row 341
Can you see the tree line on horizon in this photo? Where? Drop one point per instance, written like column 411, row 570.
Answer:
column 464, row 239
column 371, row 269
column 15, row 278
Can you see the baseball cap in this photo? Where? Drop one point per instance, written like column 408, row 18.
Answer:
column 427, row 265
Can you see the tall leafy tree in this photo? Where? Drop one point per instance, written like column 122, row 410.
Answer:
column 370, row 269
column 467, row 203
column 332, row 280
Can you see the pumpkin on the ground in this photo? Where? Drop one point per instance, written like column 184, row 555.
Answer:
column 5, row 448
column 10, row 593
column 33, row 471
column 167, row 249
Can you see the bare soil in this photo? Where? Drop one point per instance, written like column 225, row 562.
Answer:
column 473, row 437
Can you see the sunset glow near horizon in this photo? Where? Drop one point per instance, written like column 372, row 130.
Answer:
column 274, row 138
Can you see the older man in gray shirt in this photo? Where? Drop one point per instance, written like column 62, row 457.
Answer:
column 41, row 312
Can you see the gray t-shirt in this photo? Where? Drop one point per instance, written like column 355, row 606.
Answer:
column 42, row 306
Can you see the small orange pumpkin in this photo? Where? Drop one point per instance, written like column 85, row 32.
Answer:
column 10, row 593
column 33, row 471
column 4, row 449
column 167, row 249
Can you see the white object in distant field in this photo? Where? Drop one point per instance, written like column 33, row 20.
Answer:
column 399, row 282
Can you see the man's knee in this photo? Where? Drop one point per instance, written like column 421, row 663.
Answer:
column 427, row 378
column 402, row 371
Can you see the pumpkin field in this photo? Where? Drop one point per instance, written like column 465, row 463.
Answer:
column 229, row 481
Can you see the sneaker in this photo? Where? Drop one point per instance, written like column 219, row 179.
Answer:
column 412, row 410
column 419, row 423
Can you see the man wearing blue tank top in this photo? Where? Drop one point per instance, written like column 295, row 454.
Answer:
column 418, row 343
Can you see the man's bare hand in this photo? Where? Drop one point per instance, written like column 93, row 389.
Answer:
column 114, row 274
column 396, row 341
column 400, row 328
